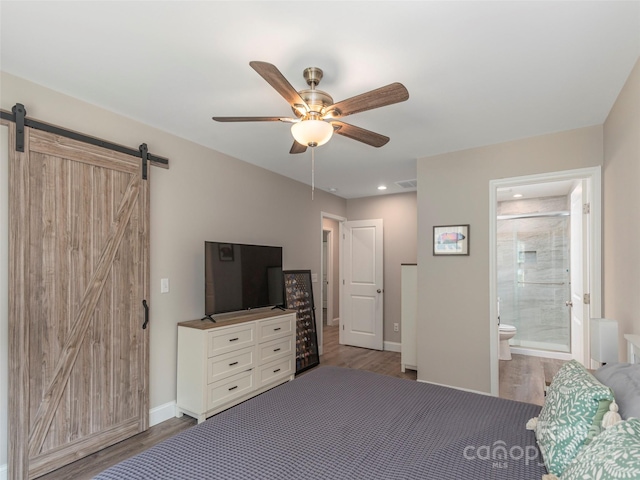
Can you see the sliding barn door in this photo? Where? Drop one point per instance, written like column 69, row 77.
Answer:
column 78, row 355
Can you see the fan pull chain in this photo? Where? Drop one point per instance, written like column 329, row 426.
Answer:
column 313, row 171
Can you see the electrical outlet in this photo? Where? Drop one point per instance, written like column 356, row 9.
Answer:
column 396, row 327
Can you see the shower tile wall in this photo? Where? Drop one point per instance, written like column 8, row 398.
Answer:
column 533, row 273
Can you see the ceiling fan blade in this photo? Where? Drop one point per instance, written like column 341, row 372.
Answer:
column 274, row 77
column 254, row 119
column 359, row 134
column 380, row 97
column 297, row 148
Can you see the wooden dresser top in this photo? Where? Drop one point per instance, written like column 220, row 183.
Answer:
column 226, row 319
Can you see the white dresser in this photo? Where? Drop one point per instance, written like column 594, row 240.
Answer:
column 224, row 363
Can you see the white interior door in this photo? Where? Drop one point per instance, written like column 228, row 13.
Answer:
column 362, row 295
column 579, row 271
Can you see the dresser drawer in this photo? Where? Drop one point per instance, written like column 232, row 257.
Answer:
column 222, row 366
column 280, row 347
column 277, row 369
column 275, row 328
column 230, row 339
column 226, row 390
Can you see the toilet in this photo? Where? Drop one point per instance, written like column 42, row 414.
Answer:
column 507, row 332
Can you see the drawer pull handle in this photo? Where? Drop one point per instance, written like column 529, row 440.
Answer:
column 276, row 329
column 276, row 370
column 232, row 364
column 233, row 339
column 277, row 350
column 233, row 388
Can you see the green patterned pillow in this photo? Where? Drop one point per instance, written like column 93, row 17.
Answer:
column 613, row 454
column 571, row 415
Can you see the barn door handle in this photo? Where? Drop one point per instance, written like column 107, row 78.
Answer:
column 146, row 314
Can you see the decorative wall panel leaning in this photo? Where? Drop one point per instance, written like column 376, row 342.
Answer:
column 298, row 293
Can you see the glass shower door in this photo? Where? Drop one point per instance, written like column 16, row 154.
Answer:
column 533, row 281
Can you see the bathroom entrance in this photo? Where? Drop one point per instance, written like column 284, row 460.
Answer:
column 545, row 265
column 533, row 267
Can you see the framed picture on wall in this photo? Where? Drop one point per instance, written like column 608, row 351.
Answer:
column 451, row 240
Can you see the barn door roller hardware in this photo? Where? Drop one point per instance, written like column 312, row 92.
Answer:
column 144, row 155
column 18, row 115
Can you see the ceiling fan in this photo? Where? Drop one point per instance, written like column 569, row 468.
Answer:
column 317, row 117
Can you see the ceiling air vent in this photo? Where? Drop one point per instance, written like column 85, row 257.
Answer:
column 408, row 183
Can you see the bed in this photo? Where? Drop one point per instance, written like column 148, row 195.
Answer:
column 339, row 423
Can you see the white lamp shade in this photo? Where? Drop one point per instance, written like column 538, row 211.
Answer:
column 312, row 133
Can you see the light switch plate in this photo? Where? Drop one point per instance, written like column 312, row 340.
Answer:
column 164, row 285
column 314, row 277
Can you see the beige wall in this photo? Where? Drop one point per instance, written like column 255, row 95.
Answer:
column 621, row 210
column 400, row 222
column 205, row 195
column 453, row 308
column 453, row 328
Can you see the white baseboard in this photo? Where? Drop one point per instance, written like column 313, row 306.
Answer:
column 335, row 321
column 3, row 472
column 160, row 414
column 458, row 388
column 393, row 346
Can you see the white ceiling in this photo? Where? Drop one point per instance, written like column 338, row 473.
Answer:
column 478, row 72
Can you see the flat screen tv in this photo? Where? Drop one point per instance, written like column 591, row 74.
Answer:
column 241, row 277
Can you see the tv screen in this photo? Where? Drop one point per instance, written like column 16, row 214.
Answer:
column 241, row 277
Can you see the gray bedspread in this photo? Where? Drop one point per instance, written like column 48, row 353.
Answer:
column 338, row 423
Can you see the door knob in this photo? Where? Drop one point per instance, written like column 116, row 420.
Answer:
column 568, row 303
column 379, row 291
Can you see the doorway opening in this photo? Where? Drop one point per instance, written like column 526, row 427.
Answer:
column 330, row 261
column 533, row 268
column 329, row 280
column 545, row 270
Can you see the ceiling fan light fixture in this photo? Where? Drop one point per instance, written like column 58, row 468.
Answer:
column 332, row 113
column 312, row 133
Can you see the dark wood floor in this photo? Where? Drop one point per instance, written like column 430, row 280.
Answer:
column 385, row 362
column 523, row 377
column 520, row 379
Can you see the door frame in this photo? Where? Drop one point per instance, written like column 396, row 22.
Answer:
column 328, row 254
column 593, row 175
column 340, row 219
column 578, row 272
